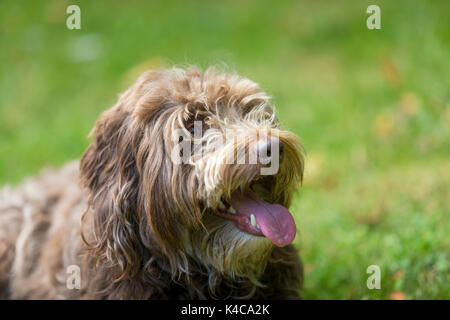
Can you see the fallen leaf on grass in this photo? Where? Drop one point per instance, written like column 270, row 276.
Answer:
column 398, row 274
column 397, row 295
column 391, row 73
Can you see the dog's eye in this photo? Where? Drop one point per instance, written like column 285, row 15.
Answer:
column 192, row 130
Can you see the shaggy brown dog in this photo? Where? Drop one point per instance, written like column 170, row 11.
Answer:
column 153, row 227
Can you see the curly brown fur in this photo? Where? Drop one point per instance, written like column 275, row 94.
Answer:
column 141, row 226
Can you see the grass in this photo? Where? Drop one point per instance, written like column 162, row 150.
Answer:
column 372, row 108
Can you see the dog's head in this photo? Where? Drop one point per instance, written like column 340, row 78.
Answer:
column 195, row 166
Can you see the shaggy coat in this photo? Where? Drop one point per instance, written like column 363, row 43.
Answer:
column 136, row 225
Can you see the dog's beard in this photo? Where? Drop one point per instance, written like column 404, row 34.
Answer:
column 224, row 248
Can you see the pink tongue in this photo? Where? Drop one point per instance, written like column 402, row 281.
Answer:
column 275, row 221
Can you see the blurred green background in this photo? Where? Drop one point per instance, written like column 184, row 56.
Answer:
column 372, row 108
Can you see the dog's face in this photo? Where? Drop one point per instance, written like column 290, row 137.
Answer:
column 196, row 165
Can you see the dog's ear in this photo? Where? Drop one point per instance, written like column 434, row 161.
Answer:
column 136, row 193
column 107, row 171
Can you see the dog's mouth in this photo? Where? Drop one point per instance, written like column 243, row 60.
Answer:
column 253, row 215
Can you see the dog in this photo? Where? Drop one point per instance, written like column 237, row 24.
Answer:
column 131, row 221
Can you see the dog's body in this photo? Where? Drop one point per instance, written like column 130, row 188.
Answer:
column 134, row 225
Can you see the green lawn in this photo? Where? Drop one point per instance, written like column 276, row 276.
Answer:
column 372, row 108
